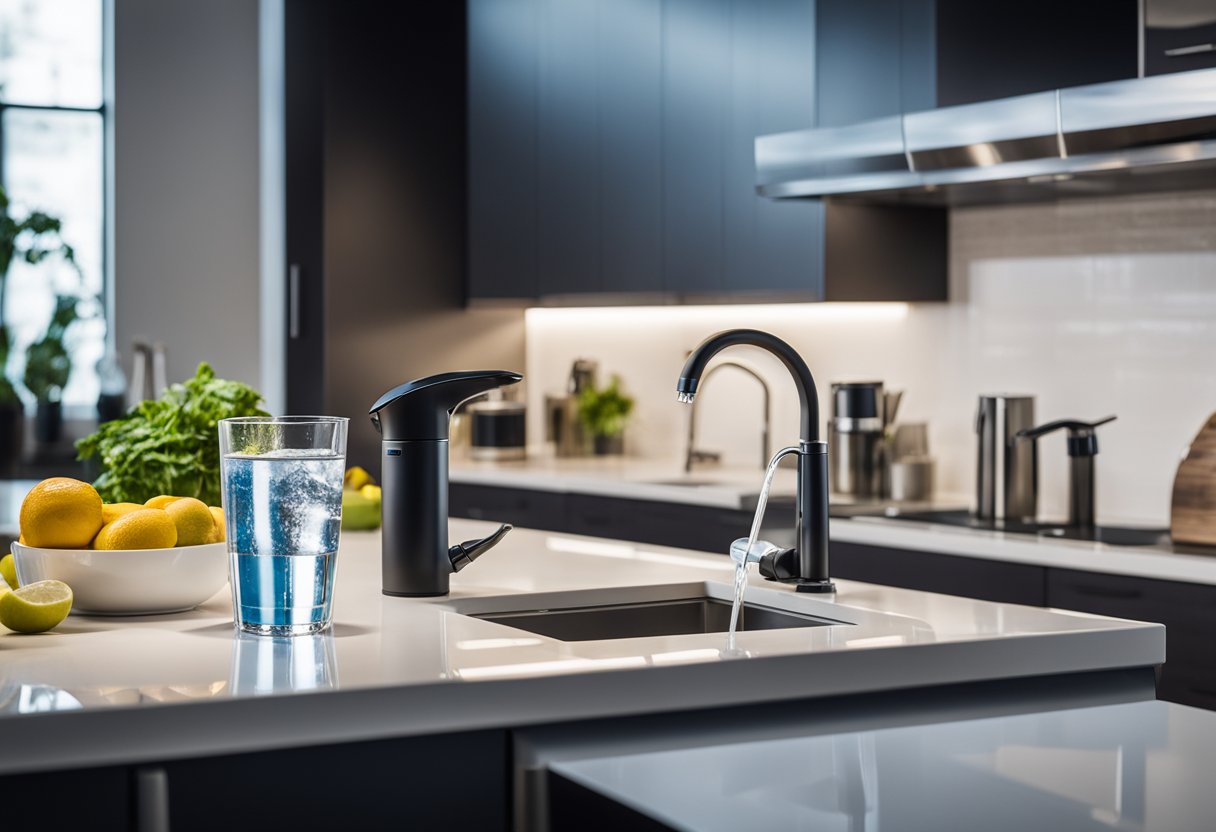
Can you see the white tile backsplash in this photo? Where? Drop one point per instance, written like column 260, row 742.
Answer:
column 1110, row 310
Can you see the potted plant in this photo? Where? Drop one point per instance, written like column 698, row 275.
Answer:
column 604, row 412
column 32, row 239
column 47, row 368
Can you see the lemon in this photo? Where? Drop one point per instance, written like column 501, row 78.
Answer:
column 356, row 478
column 193, row 519
column 112, row 511
column 147, row 528
column 371, row 492
column 217, row 514
column 161, row 501
column 8, row 570
column 37, row 607
column 61, row 513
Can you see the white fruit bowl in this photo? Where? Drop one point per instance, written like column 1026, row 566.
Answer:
column 129, row 581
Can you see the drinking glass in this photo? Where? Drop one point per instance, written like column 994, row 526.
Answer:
column 282, row 493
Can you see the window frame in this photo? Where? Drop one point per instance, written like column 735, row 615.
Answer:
column 104, row 111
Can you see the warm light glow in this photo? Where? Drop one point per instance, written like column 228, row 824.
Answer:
column 496, row 643
column 682, row 656
column 876, row 641
column 727, row 315
column 504, row 671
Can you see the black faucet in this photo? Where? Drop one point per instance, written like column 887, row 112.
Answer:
column 412, row 419
column 806, row 565
column 1082, row 448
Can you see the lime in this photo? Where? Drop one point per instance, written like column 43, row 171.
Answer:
column 8, row 570
column 37, row 607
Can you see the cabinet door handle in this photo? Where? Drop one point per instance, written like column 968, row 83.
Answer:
column 1108, row 592
column 293, row 302
column 1194, row 49
column 151, row 799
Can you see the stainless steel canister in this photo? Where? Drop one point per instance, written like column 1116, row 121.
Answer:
column 856, row 437
column 1006, row 482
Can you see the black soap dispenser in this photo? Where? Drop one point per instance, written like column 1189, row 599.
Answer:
column 412, row 419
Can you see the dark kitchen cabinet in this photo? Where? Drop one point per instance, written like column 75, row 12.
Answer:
column 453, row 781
column 696, row 116
column 1178, row 35
column 631, row 171
column 988, row 580
column 1188, row 612
column 529, row 509
column 97, row 799
column 702, row 528
column 503, row 153
column 996, row 50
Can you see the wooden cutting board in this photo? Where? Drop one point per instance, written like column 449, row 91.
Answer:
column 1193, row 510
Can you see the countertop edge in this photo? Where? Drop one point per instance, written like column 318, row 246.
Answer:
column 123, row 736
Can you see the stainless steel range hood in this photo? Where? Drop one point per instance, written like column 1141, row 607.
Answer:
column 1144, row 134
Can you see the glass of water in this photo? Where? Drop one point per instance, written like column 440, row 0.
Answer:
column 282, row 492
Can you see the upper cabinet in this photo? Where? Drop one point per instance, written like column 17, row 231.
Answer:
column 611, row 149
column 986, row 51
column 1179, row 35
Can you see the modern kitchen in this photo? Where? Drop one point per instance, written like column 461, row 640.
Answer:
column 608, row 414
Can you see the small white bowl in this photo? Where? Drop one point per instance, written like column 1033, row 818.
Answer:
column 129, row 581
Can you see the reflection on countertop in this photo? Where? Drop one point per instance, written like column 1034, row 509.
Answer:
column 1141, row 766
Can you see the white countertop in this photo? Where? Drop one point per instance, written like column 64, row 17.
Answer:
column 737, row 488
column 1140, row 766
column 1140, row 561
column 106, row 690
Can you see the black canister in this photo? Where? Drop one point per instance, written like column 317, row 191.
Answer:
column 499, row 431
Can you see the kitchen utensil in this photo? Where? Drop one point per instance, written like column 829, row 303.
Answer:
column 1193, row 508
column 910, row 439
column 562, row 424
column 1006, row 482
column 499, row 430
column 911, row 479
column 129, row 581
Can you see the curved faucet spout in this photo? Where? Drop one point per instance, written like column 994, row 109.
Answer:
column 808, row 396
column 807, row 565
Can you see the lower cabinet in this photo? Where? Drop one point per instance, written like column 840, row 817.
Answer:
column 1188, row 612
column 450, row 782
column 987, row 580
column 96, row 799
column 686, row 526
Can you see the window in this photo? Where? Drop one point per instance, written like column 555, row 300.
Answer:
column 52, row 159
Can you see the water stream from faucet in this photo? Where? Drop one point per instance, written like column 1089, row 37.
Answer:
column 742, row 558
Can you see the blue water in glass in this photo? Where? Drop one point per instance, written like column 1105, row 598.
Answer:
column 284, row 512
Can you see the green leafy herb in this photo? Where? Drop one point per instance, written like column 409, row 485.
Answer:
column 605, row 410
column 169, row 446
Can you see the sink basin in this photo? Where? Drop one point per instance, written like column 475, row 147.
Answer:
column 681, row 616
column 688, row 482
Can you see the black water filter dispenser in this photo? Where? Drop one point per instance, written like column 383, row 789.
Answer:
column 412, row 419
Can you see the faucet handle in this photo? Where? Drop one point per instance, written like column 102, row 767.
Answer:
column 462, row 554
column 1081, row 438
column 740, row 554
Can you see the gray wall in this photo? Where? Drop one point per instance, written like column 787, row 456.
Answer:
column 186, row 244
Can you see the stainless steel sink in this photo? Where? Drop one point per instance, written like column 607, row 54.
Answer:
column 682, row 616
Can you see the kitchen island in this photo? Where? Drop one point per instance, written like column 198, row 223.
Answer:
column 100, row 693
